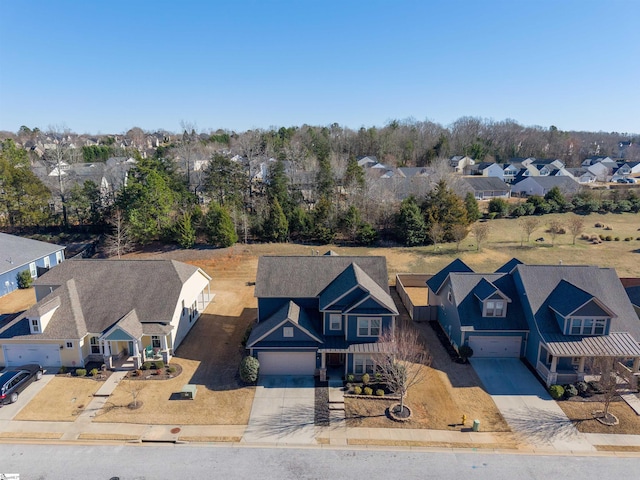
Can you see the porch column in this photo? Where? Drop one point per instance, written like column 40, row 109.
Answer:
column 107, row 355
column 163, row 342
column 554, row 364
column 323, row 360
column 581, row 365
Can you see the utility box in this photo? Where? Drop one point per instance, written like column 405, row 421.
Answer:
column 476, row 426
column 188, row 392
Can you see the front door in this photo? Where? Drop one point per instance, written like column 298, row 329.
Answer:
column 335, row 359
column 130, row 348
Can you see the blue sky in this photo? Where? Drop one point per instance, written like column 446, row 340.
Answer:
column 106, row 66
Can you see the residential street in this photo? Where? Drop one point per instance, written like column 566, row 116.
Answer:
column 186, row 461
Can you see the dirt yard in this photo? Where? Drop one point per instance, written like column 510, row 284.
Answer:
column 580, row 413
column 61, row 400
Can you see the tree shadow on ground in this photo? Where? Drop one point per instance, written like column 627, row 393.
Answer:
column 541, row 426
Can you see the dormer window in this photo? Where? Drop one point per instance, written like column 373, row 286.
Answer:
column 588, row 326
column 287, row 332
column 494, row 308
column 35, row 325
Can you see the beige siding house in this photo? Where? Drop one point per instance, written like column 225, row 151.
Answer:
column 117, row 312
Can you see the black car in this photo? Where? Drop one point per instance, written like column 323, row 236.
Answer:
column 14, row 380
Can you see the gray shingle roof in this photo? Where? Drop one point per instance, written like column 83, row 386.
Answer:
column 307, row 276
column 289, row 312
column 95, row 294
column 487, row 184
column 18, row 251
column 539, row 282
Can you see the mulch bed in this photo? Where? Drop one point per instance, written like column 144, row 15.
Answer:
column 100, row 377
column 444, row 340
column 321, row 413
column 153, row 374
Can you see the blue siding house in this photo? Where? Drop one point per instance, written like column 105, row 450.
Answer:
column 319, row 313
column 558, row 317
column 18, row 254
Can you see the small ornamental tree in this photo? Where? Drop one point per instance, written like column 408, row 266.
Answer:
column 24, row 279
column 403, row 361
column 249, row 368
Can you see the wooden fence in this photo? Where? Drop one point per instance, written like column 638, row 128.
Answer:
column 418, row 313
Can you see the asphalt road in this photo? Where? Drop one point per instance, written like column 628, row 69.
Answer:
column 159, row 462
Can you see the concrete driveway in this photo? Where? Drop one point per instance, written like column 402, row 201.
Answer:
column 526, row 406
column 283, row 411
column 7, row 412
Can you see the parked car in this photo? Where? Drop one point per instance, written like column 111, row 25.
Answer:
column 14, row 380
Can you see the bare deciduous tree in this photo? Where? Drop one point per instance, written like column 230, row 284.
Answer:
column 610, row 381
column 119, row 241
column 576, row 226
column 403, row 361
column 528, row 225
column 134, row 387
column 555, row 229
column 481, row 232
column 458, row 233
column 436, row 234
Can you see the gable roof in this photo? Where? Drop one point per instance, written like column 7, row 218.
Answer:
column 509, row 266
column 485, row 289
column 307, row 276
column 96, row 294
column 603, row 284
column 18, row 251
column 566, row 299
column 289, row 312
column 436, row 282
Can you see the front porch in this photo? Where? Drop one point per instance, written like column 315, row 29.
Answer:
column 565, row 370
column 130, row 353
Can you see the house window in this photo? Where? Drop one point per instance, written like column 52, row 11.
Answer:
column 494, row 308
column 33, row 270
column 369, row 327
column 95, row 346
column 184, row 310
column 335, row 321
column 588, row 326
column 47, row 262
column 69, row 344
column 450, row 296
column 58, row 257
column 363, row 364
column 35, row 325
column 155, row 341
column 287, row 332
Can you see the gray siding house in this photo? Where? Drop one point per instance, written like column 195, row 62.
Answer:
column 18, row 254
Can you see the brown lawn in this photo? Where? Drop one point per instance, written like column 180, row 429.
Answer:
column 61, row 400
column 17, row 301
column 580, row 413
column 448, row 391
column 209, row 357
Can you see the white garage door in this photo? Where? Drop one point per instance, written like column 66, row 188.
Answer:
column 495, row 346
column 45, row 355
column 287, row 363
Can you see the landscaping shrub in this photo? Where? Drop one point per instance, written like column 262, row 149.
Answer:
column 380, row 392
column 63, row 369
column 465, row 352
column 249, row 368
column 378, row 376
column 351, row 378
column 357, row 389
column 24, row 279
column 81, row 372
column 93, row 372
column 595, row 387
column 146, row 365
column 556, row 391
column 602, row 237
column 608, row 238
column 598, row 225
column 159, row 364
column 628, row 239
column 368, row 391
column 570, row 391
column 366, row 378
column 172, row 369
column 582, row 387
column 617, row 239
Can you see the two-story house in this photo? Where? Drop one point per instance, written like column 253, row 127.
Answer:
column 320, row 313
column 558, row 317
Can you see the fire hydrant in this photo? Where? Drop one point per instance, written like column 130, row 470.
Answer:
column 464, row 419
